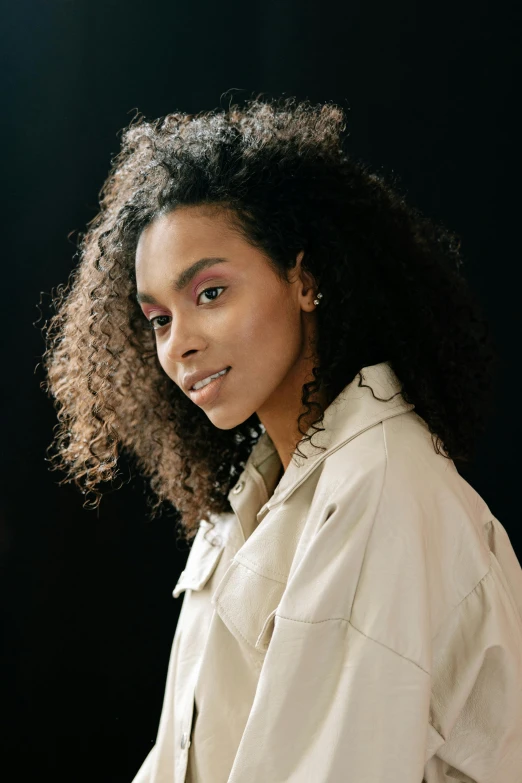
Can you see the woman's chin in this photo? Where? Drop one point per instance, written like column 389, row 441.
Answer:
column 226, row 420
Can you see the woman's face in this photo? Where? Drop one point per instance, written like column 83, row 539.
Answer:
column 235, row 313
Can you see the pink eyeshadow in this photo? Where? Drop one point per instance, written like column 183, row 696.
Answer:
column 202, row 279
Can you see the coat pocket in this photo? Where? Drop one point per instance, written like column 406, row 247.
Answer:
column 247, row 602
column 205, row 553
column 263, row 640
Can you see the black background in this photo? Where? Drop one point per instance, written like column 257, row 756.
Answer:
column 432, row 94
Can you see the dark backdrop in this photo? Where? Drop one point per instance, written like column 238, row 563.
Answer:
column 432, row 93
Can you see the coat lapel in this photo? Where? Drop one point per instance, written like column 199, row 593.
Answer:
column 353, row 411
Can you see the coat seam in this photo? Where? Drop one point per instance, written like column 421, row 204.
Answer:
column 316, row 460
column 457, row 606
column 239, row 561
column 257, row 465
column 344, row 620
column 259, row 482
column 386, row 461
column 233, row 624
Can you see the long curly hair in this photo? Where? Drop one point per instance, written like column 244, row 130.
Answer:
column 390, row 278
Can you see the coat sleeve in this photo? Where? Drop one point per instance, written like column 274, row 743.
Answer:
column 477, row 677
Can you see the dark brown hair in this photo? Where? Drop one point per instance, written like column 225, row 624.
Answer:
column 390, row 278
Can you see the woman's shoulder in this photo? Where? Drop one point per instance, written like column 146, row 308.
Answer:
column 420, row 536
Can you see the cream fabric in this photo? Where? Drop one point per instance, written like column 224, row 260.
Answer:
column 358, row 620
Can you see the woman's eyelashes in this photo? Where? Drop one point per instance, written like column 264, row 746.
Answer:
column 214, row 288
column 155, row 318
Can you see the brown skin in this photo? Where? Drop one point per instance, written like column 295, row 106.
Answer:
column 257, row 324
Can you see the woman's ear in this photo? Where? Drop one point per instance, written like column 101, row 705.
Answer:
column 307, row 281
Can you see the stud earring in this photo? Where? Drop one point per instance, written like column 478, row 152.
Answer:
column 316, row 301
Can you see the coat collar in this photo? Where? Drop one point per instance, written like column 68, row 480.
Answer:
column 354, row 410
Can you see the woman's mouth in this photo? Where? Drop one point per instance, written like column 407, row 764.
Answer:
column 209, row 391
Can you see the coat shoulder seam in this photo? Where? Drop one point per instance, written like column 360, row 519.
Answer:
column 370, row 638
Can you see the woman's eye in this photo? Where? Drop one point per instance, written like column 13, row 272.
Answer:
column 214, row 288
column 154, row 319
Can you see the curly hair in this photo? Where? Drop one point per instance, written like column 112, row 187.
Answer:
column 391, row 280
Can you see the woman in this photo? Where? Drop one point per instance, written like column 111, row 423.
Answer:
column 294, row 359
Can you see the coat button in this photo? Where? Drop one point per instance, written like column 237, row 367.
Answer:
column 216, row 541
column 238, row 487
column 184, row 738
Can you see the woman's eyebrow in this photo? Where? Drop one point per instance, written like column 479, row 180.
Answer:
column 184, row 278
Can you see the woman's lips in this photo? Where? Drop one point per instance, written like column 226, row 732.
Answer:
column 210, row 391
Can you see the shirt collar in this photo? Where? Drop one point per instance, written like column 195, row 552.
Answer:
column 354, row 410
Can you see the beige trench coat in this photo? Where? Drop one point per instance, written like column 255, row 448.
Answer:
column 358, row 620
